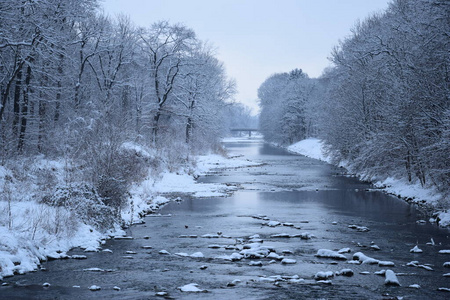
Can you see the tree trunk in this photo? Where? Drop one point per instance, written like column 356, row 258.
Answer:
column 155, row 127
column 16, row 104
column 24, row 111
column 42, row 110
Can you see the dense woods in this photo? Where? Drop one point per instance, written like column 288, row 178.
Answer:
column 98, row 93
column 384, row 105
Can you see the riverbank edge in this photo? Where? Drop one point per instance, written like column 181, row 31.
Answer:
column 19, row 256
column 427, row 199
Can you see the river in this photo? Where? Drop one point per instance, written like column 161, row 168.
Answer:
column 314, row 202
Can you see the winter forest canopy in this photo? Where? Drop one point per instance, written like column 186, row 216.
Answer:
column 383, row 108
column 95, row 91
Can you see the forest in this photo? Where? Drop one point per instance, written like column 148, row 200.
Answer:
column 383, row 107
column 91, row 104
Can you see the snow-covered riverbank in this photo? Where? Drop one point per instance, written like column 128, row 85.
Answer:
column 31, row 231
column 412, row 192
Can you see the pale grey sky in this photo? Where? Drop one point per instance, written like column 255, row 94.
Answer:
column 257, row 38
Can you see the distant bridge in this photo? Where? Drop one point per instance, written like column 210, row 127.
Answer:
column 249, row 130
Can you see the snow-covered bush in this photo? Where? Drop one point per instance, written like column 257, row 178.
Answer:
column 86, row 204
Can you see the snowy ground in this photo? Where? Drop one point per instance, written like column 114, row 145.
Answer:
column 31, row 232
column 415, row 193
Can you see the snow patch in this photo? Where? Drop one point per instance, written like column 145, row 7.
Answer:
column 310, row 147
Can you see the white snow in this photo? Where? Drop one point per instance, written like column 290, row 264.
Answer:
column 310, row 147
column 288, row 261
column 345, row 272
column 191, row 287
column 255, row 263
column 365, row 259
column 197, row 255
column 323, row 275
column 233, row 257
column 330, row 254
column 416, row 249
column 391, row 278
column 314, row 148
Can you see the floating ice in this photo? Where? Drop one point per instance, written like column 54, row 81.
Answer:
column 95, row 288
column 414, row 286
column 164, row 252
column 78, row 256
column 255, row 263
column 444, row 251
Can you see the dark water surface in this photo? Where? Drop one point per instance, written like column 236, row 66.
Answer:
column 315, row 197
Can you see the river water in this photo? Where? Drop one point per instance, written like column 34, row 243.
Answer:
column 308, row 197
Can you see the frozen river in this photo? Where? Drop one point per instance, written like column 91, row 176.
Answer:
column 314, row 204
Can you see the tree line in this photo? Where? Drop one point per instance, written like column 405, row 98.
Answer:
column 384, row 104
column 79, row 85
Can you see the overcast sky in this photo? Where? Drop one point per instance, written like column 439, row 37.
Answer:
column 257, row 38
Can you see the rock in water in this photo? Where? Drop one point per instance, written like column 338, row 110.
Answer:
column 191, row 288
column 391, row 278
